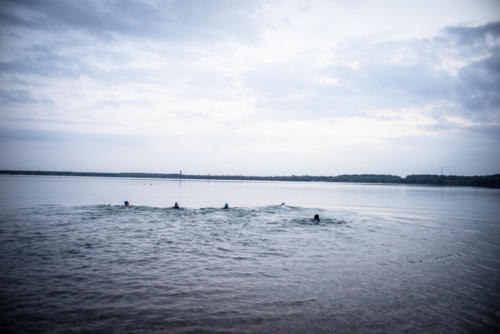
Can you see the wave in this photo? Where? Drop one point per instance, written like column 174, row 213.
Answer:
column 272, row 214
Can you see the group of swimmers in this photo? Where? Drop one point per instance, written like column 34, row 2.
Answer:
column 226, row 207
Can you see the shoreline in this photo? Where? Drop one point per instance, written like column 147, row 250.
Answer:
column 485, row 181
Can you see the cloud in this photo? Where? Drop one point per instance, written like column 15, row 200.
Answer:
column 67, row 137
column 474, row 37
column 478, row 86
column 165, row 20
column 19, row 96
column 366, row 76
column 251, row 77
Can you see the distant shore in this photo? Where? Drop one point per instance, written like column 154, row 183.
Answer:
column 490, row 181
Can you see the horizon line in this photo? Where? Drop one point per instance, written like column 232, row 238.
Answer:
column 170, row 174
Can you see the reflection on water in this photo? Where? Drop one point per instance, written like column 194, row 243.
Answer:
column 107, row 268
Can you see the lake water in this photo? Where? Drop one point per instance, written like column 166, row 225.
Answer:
column 383, row 259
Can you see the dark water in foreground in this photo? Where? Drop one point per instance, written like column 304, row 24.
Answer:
column 67, row 268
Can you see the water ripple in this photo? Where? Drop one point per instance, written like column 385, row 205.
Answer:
column 146, row 269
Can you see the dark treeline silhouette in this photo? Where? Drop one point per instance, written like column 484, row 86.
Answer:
column 492, row 181
column 453, row 180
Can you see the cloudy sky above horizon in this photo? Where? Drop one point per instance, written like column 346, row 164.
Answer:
column 251, row 87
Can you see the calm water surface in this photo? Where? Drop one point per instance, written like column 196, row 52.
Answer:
column 383, row 259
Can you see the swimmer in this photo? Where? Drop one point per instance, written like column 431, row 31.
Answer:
column 176, row 206
column 226, row 206
column 283, row 204
column 316, row 218
column 126, row 203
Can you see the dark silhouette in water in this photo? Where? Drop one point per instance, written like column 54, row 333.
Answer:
column 226, row 206
column 316, row 218
column 176, row 206
column 126, row 203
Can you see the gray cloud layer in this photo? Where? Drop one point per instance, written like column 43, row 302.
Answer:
column 474, row 90
column 288, row 86
column 206, row 63
column 166, row 20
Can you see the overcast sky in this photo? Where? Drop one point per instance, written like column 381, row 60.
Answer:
column 251, row 87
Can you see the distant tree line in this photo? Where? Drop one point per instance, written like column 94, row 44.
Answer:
column 492, row 181
column 453, row 180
